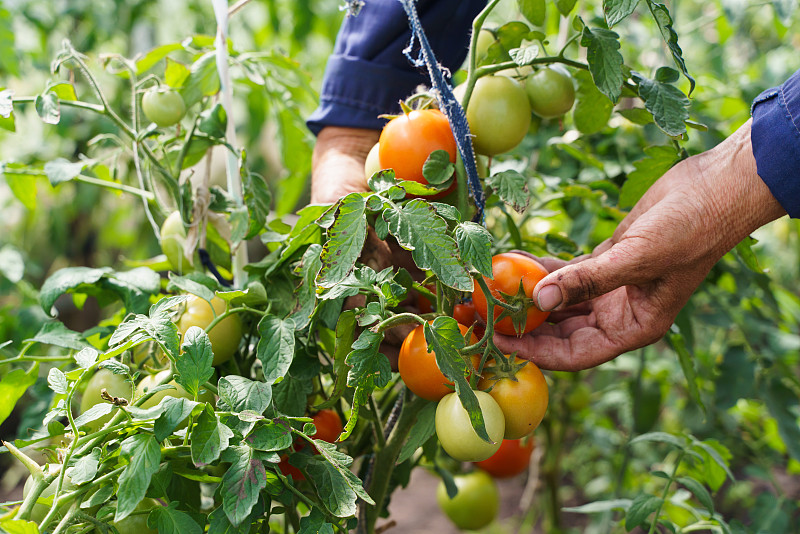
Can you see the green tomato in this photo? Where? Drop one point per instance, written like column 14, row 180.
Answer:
column 476, row 503
column 173, row 242
column 150, row 381
column 485, row 40
column 115, row 385
column 550, row 91
column 455, row 431
column 45, row 500
column 498, row 114
column 136, row 523
column 164, row 107
column 373, row 161
column 225, row 335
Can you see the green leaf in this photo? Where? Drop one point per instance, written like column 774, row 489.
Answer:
column 169, row 520
column 346, row 238
column 737, row 378
column 209, row 438
column 12, row 264
column 291, row 394
column 605, row 60
column 533, row 10
column 57, row 381
column 86, row 357
column 93, row 414
column 699, row 491
column 151, row 58
column 203, row 79
column 48, row 108
column 13, row 386
column 9, row 55
column 369, row 370
column 511, row 187
column 783, row 405
column 270, row 435
column 345, row 332
column 660, row 437
column 213, row 123
column 144, row 454
column 174, row 411
column 237, row 394
column 664, row 21
column 617, row 10
column 336, row 485
column 419, row 229
column 745, row 253
column 657, row 161
column 56, row 334
column 18, row 526
column 437, row 168
column 85, row 468
column 194, row 366
column 640, row 509
column 275, row 349
column 678, row 343
column 713, row 465
column 24, row 188
column 315, row 523
column 190, row 285
column 241, row 484
column 258, row 199
column 638, row 116
column 475, row 245
column 669, row 106
column 422, row 430
column 565, row 6
column 307, row 292
column 62, row 170
column 600, row 506
column 592, row 108
column 175, row 74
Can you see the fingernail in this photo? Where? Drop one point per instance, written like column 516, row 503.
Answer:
column 549, row 297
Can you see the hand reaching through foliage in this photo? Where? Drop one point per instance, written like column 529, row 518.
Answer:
column 627, row 293
column 338, row 162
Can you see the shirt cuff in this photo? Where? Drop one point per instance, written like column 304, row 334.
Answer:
column 360, row 91
column 775, row 136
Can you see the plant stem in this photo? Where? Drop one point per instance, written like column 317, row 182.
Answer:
column 397, row 320
column 666, row 491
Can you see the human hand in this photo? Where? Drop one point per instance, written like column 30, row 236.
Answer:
column 337, row 167
column 627, row 293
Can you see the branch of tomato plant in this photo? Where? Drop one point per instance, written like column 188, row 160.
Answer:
column 376, row 423
column 664, row 493
column 147, row 195
column 397, row 320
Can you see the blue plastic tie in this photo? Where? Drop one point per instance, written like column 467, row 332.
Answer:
column 447, row 103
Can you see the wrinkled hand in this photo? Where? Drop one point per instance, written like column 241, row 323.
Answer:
column 627, row 293
column 337, row 167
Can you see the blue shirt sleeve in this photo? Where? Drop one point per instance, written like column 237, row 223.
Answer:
column 775, row 135
column 367, row 75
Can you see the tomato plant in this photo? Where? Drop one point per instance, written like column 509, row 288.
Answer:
column 165, row 107
column 407, row 140
column 515, row 276
column 45, row 499
column 523, row 397
column 475, row 505
column 329, row 425
column 224, row 336
column 498, row 113
column 173, row 242
column 418, row 367
column 456, row 434
column 511, row 459
column 176, row 390
column 373, row 162
column 136, row 523
column 114, row 385
column 550, row 91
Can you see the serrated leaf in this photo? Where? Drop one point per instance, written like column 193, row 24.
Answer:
column 86, row 357
column 605, row 60
column 275, row 349
column 315, row 523
column 85, row 468
column 258, row 199
column 418, row 228
column 93, row 414
column 270, row 435
column 169, row 520
column 48, row 108
column 640, row 509
column 57, row 381
column 242, row 483
column 62, row 170
column 511, row 187
column 65, row 279
column 533, row 10
column 369, row 369
column 664, row 21
column 144, row 454
column 592, row 108
column 669, row 106
column 209, row 438
column 638, row 116
column 657, row 161
column 617, row 10
column 423, row 429
column 346, row 238
column 57, row 334
column 524, row 56
column 475, row 245
column 194, row 366
column 237, row 394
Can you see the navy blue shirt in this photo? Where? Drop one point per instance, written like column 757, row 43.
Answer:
column 368, row 74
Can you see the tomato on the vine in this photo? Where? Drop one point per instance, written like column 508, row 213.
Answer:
column 373, row 162
column 511, row 459
column 115, row 385
column 165, row 107
column 173, row 242
column 498, row 114
column 329, row 425
column 407, row 140
column 418, row 367
column 522, row 399
column 225, row 335
column 550, row 91
column 150, row 381
column 509, row 271
column 455, row 432
column 475, row 505
column 464, row 313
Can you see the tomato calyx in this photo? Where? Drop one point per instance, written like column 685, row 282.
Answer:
column 516, row 308
column 505, row 368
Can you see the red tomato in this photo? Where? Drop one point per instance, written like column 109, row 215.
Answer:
column 407, row 141
column 328, row 424
column 424, row 305
column 511, row 459
column 418, row 367
column 464, row 313
column 508, row 270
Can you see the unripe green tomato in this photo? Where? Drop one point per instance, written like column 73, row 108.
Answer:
column 40, row 510
column 498, row 114
column 173, row 242
column 475, row 505
column 226, row 334
column 150, row 381
column 550, row 91
column 164, row 107
column 115, row 385
column 136, row 523
column 455, row 432
column 485, row 40
column 373, row 161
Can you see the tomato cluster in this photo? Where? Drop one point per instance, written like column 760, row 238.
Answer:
column 329, row 427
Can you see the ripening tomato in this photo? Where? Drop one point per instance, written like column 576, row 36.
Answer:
column 511, row 459
column 550, row 91
column 115, row 385
column 464, row 313
column 508, row 270
column 418, row 367
column 164, row 107
column 523, row 401
column 407, row 140
column 225, row 335
column 455, row 432
column 498, row 113
column 329, row 425
column 373, row 162
column 475, row 505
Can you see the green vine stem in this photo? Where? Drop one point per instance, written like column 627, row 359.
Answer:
column 664, row 493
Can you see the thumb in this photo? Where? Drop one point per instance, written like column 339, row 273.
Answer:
column 592, row 277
